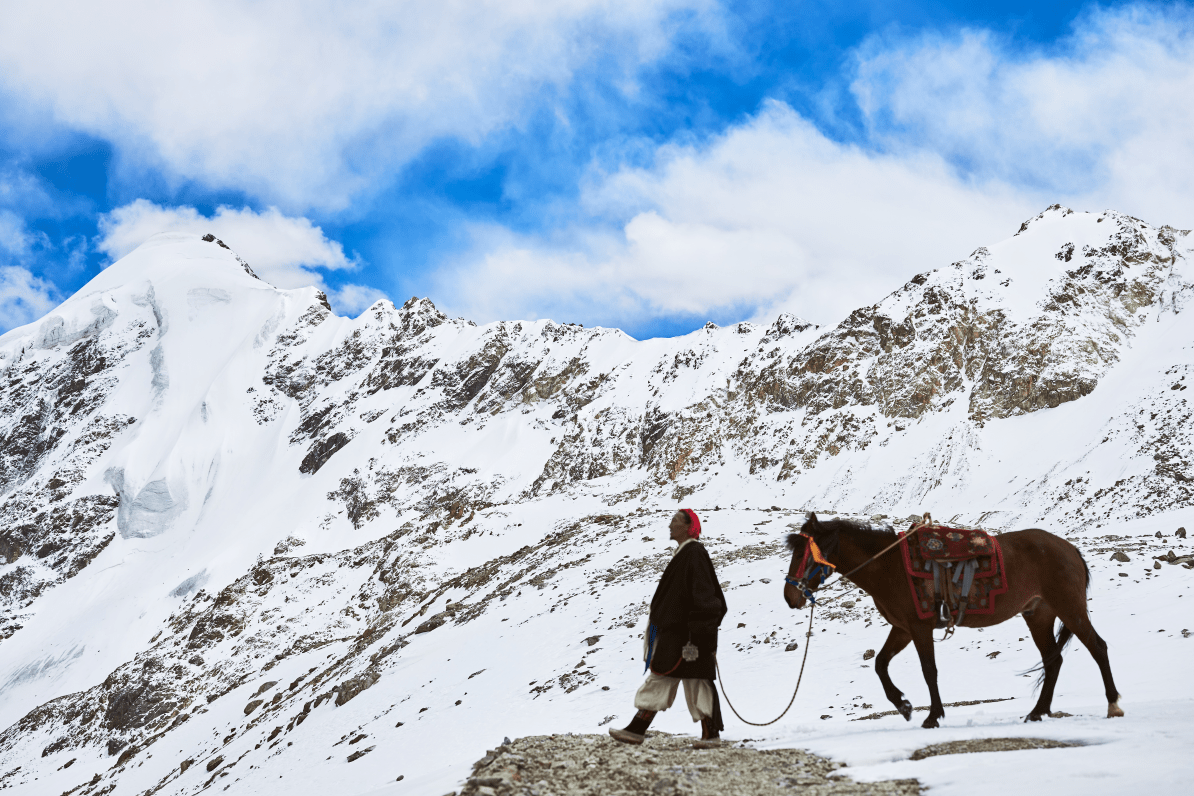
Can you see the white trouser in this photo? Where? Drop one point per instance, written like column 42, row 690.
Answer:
column 659, row 692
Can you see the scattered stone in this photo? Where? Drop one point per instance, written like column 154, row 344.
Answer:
column 764, row 580
column 182, row 769
column 993, row 655
column 591, row 640
column 989, row 745
column 214, row 763
column 1158, row 535
column 357, row 755
column 1181, row 533
column 256, row 703
column 1156, row 565
column 791, row 647
column 866, row 656
column 1121, row 556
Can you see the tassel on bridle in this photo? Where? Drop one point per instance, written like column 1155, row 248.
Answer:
column 822, row 567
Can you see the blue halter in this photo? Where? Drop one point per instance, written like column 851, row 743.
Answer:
column 819, row 569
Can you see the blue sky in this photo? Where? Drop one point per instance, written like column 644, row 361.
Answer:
column 645, row 165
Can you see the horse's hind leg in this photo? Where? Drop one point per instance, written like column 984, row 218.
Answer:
column 1040, row 624
column 1078, row 622
column 897, row 639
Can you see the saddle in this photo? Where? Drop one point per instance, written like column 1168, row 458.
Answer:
column 952, row 572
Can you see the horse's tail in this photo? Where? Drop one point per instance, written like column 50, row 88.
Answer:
column 1063, row 635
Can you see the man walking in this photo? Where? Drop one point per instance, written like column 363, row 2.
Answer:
column 681, row 640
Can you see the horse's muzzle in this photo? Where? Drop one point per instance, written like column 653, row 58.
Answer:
column 793, row 597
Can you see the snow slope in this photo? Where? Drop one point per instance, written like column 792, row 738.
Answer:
column 240, row 531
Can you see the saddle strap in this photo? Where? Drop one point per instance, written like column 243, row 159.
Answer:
column 967, row 571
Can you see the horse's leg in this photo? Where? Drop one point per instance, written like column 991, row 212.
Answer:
column 897, row 639
column 922, row 637
column 1040, row 623
column 1078, row 621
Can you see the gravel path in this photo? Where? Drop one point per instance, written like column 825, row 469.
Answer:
column 666, row 765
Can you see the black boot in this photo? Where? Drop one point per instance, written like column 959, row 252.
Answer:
column 641, row 721
column 636, row 730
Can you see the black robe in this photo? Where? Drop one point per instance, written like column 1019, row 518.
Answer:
column 688, row 606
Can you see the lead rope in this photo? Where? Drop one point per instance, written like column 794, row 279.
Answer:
column 808, row 636
column 808, row 640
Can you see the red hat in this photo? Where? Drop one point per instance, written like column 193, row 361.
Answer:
column 694, row 524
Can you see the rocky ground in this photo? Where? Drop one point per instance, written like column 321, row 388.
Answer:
column 562, row 765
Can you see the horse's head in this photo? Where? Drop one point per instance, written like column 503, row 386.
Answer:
column 810, row 550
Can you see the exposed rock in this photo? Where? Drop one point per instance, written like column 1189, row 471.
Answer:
column 350, row 688
column 989, row 745
column 1119, row 555
column 360, row 753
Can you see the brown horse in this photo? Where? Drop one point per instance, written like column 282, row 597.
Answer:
column 1047, row 579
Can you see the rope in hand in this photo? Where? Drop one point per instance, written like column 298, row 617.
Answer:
column 808, row 640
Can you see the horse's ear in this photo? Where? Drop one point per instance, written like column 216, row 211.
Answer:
column 793, row 540
column 811, row 523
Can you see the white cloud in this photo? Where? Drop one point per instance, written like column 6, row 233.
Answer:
column 23, row 297
column 352, row 300
column 1100, row 120
column 304, row 104
column 14, row 238
column 966, row 137
column 281, row 249
column 771, row 215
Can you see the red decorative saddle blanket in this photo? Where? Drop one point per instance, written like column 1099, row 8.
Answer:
column 932, row 543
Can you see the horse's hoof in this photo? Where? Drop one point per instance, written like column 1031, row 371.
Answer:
column 905, row 709
column 1114, row 711
column 1032, row 717
column 930, row 723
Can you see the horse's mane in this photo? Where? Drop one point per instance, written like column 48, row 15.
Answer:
column 828, row 533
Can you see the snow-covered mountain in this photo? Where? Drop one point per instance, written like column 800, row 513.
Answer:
column 238, row 531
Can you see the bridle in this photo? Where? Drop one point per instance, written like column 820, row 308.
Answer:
column 821, row 567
